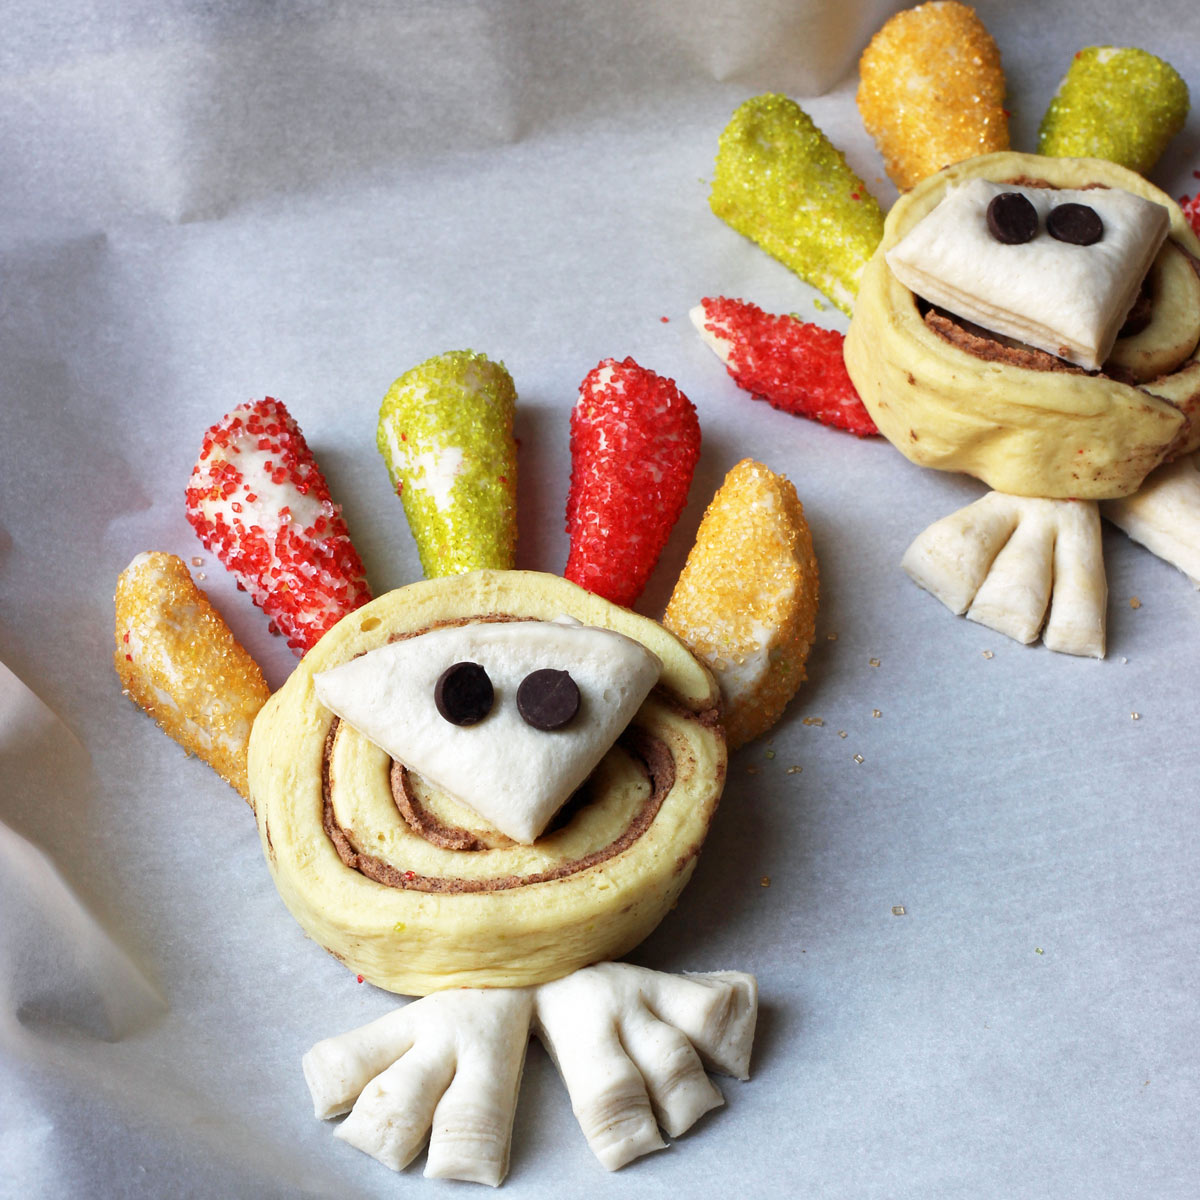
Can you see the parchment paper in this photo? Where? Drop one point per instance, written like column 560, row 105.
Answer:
column 972, row 910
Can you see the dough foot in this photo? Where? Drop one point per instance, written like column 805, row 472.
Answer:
column 446, row 1067
column 1007, row 561
column 633, row 1047
column 1164, row 515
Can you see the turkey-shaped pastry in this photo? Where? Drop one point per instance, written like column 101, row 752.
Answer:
column 1034, row 322
column 479, row 785
column 1029, row 320
column 952, row 391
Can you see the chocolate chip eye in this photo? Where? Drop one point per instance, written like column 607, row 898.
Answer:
column 547, row 699
column 1011, row 218
column 463, row 693
column 1078, row 224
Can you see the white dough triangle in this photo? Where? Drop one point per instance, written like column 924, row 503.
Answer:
column 1067, row 300
column 514, row 776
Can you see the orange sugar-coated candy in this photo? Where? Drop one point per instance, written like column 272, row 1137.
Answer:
column 931, row 91
column 746, row 600
column 178, row 660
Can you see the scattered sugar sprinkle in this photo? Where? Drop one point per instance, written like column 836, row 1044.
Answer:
column 831, row 637
column 795, row 770
column 1134, row 602
column 874, row 662
column 858, row 758
column 898, row 910
column 1135, row 716
column 988, row 654
column 841, row 733
column 770, row 754
column 765, row 881
column 197, row 561
column 876, row 713
column 1038, row 950
column 813, row 721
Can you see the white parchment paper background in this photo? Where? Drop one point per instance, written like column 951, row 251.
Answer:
column 205, row 202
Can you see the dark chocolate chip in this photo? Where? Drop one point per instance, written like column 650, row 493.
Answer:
column 547, row 699
column 1078, row 224
column 1012, row 219
column 463, row 694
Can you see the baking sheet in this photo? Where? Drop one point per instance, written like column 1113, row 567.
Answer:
column 971, row 909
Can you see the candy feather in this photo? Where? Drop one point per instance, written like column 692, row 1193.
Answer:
column 782, row 183
column 446, row 434
column 635, row 439
column 258, row 500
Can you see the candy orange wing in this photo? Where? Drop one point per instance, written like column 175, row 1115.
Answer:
column 931, row 91
column 746, row 600
column 179, row 661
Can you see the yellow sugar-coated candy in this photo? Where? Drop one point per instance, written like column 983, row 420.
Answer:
column 446, row 433
column 931, row 91
column 179, row 661
column 1118, row 103
column 780, row 182
column 746, row 600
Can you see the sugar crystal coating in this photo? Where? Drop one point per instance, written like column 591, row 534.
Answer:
column 446, row 434
column 1118, row 103
column 780, row 182
column 795, row 366
column 1191, row 212
column 635, row 439
column 746, row 600
column 178, row 660
column 931, row 91
column 258, row 500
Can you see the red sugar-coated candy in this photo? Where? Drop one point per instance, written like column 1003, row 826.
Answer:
column 792, row 365
column 1191, row 210
column 635, row 439
column 258, row 501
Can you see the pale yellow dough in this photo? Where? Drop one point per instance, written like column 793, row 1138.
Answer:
column 414, row 942
column 1029, row 433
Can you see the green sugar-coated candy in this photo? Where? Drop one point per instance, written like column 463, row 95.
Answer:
column 783, row 184
column 446, row 434
column 1117, row 103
